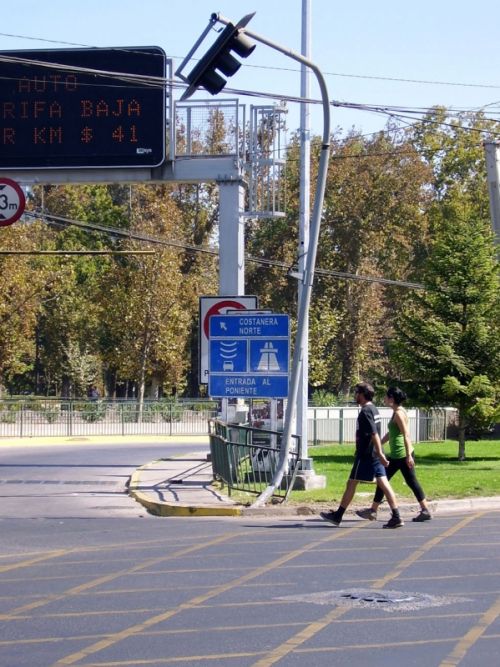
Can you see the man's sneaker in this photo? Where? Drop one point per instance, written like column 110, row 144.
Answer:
column 394, row 522
column 331, row 517
column 423, row 516
column 367, row 513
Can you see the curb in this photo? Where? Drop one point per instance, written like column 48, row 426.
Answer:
column 175, row 509
column 148, row 494
column 166, row 509
column 35, row 440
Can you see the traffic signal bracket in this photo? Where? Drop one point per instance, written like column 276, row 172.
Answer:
column 219, row 59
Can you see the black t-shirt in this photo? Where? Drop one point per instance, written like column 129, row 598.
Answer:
column 367, row 424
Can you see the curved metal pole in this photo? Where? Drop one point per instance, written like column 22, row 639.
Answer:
column 308, row 277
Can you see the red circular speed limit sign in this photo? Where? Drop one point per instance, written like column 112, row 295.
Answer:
column 12, row 202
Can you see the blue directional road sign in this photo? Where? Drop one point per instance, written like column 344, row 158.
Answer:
column 249, row 355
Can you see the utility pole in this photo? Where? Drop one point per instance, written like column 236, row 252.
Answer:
column 304, row 218
column 492, row 152
column 307, row 278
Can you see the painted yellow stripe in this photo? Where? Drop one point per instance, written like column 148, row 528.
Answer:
column 189, row 659
column 293, row 643
column 110, row 577
column 228, row 628
column 131, row 545
column 418, row 553
column 198, row 600
column 303, row 651
column 471, row 637
column 46, row 441
column 33, row 561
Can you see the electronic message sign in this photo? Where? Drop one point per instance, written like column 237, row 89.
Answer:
column 100, row 107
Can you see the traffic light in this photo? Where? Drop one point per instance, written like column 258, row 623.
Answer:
column 206, row 74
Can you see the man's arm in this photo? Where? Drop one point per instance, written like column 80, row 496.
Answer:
column 378, row 448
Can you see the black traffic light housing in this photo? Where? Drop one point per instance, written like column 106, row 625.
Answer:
column 206, row 74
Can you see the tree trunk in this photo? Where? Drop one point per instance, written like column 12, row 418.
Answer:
column 142, row 376
column 110, row 383
column 66, row 387
column 461, row 435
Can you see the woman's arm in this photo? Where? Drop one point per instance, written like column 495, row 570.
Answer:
column 401, row 419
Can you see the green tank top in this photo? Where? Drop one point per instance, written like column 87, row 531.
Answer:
column 396, row 441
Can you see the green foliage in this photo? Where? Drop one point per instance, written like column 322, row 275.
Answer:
column 478, row 399
column 51, row 412
column 200, row 406
column 134, row 412
column 91, row 411
column 372, row 224
column 8, row 412
column 406, row 205
column 81, row 368
column 447, row 348
column 323, row 398
column 129, row 412
column 439, row 472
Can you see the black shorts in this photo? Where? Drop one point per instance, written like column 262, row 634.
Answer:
column 367, row 470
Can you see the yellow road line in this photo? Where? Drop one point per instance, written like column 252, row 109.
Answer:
column 405, row 564
column 471, row 637
column 196, row 601
column 132, row 545
column 293, row 643
column 303, row 651
column 76, row 590
column 47, row 441
column 33, row 561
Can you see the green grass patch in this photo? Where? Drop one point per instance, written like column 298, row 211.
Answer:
column 438, row 470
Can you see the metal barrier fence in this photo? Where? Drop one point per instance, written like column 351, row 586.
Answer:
column 245, row 458
column 31, row 416
column 338, row 425
column 53, row 417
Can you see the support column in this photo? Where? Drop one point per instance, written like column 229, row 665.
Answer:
column 231, row 249
column 304, row 220
column 492, row 151
column 231, row 238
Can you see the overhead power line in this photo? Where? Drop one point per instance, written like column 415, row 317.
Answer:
column 116, row 232
column 113, row 231
column 396, row 112
column 77, row 252
column 376, row 77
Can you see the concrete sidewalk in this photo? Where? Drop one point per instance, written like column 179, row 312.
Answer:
column 182, row 486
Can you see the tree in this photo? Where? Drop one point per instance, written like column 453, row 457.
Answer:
column 26, row 282
column 447, row 347
column 69, row 324
column 147, row 302
column 372, row 223
column 447, row 341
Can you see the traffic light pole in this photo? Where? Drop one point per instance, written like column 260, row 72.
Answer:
column 307, row 277
column 207, row 73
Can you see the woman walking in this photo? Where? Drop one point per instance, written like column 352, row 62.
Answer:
column 400, row 457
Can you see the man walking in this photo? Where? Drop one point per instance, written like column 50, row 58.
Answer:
column 369, row 461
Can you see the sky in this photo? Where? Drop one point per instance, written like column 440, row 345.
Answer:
column 383, row 53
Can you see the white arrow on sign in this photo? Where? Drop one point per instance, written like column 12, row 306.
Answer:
column 217, row 305
column 12, row 202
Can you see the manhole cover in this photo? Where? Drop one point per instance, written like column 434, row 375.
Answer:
column 378, row 597
column 387, row 600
